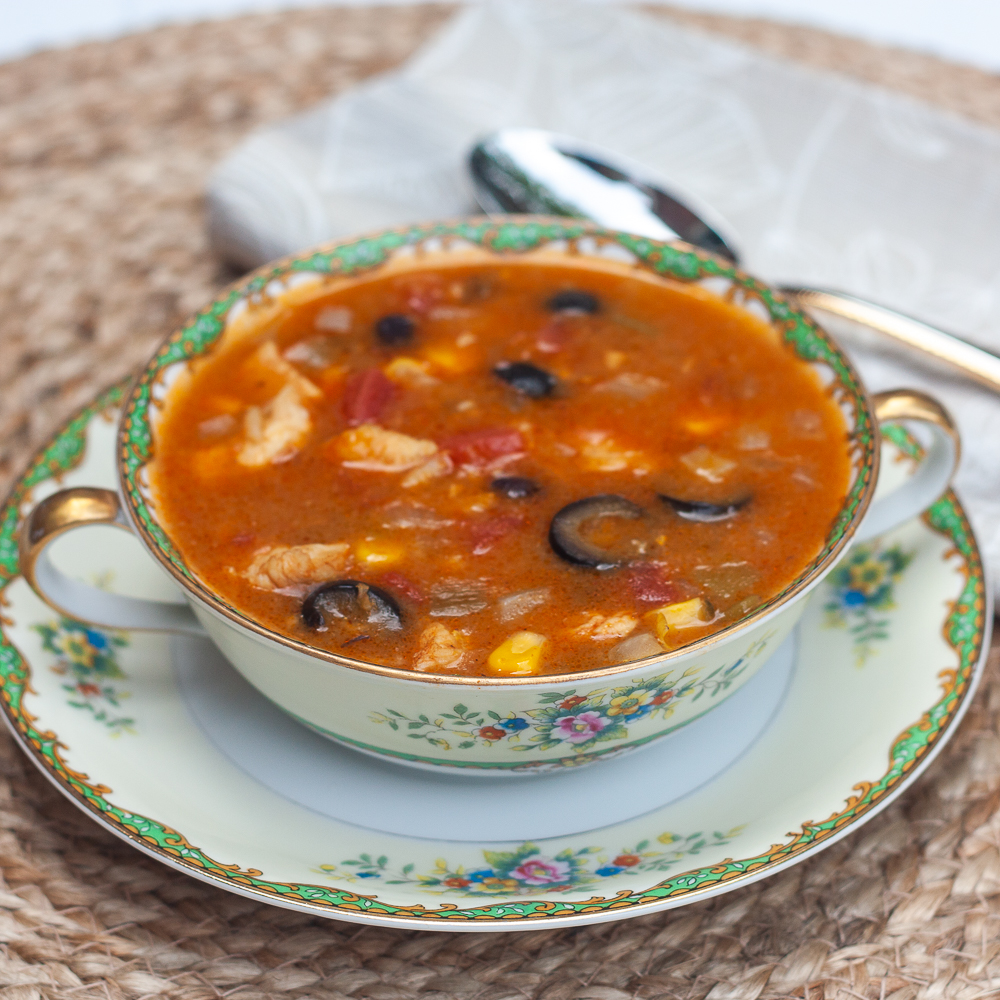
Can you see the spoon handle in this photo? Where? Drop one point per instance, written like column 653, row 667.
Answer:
column 975, row 362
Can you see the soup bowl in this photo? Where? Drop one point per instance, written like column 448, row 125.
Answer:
column 508, row 725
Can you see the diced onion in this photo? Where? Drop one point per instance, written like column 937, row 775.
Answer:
column 515, row 605
column 635, row 647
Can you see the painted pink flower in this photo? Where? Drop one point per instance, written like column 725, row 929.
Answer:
column 579, row 728
column 541, row 871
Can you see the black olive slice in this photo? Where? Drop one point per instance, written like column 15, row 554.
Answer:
column 353, row 601
column 526, row 378
column 514, row 487
column 573, row 300
column 567, row 540
column 701, row 510
column 395, row 329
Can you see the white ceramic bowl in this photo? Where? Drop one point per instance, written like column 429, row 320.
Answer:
column 496, row 726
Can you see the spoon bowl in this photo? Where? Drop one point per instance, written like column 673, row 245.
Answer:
column 530, row 170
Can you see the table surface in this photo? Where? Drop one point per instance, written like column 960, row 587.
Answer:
column 102, row 252
column 965, row 31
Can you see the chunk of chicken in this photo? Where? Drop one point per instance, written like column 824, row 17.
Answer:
column 607, row 626
column 275, row 432
column 601, row 453
column 372, row 447
column 707, row 464
column 436, row 466
column 439, row 649
column 279, row 566
column 268, row 355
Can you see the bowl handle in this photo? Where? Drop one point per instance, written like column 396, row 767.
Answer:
column 80, row 507
column 935, row 471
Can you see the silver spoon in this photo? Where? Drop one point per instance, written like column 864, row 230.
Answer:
column 531, row 170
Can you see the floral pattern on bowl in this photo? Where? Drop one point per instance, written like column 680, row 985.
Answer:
column 568, row 720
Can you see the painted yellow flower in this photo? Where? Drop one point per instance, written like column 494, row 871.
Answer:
column 628, row 704
column 868, row 576
column 499, row 884
column 77, row 650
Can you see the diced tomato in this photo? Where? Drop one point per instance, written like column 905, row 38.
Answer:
column 366, row 395
column 553, row 336
column 483, row 446
column 423, row 293
column 486, row 534
column 400, row 584
column 649, row 582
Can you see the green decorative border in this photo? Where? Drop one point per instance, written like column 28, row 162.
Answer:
column 964, row 629
column 516, row 236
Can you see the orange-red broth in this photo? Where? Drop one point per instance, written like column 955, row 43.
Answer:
column 665, row 389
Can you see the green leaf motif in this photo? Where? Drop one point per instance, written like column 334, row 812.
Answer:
column 528, row 870
column 553, row 725
column 863, row 584
column 87, row 655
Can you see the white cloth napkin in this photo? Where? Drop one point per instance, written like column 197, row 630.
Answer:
column 823, row 180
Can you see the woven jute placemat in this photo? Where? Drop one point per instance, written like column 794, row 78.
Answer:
column 104, row 153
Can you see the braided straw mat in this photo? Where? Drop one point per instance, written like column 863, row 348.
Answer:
column 104, row 154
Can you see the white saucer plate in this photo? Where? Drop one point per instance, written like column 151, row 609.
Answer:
column 163, row 743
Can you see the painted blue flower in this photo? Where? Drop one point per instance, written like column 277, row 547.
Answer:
column 609, row 870
column 513, row 725
column 481, row 874
column 852, row 598
column 97, row 639
column 367, row 874
column 643, row 710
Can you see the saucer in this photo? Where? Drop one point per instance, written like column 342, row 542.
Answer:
column 164, row 744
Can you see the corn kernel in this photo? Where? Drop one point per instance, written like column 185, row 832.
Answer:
column 377, row 551
column 685, row 614
column 614, row 359
column 704, row 425
column 411, row 372
column 517, row 655
column 449, row 360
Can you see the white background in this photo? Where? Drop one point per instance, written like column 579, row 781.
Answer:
column 962, row 30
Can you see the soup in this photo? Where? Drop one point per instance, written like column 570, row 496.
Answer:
column 500, row 470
